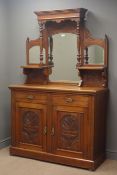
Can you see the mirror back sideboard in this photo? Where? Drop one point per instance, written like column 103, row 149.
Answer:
column 62, row 118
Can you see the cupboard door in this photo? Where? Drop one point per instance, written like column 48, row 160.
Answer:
column 30, row 126
column 70, row 131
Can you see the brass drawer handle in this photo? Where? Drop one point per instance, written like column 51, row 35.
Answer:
column 69, row 100
column 30, row 97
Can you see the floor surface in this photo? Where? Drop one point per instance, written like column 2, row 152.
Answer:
column 12, row 165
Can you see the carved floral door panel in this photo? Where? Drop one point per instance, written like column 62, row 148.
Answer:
column 31, row 126
column 70, row 126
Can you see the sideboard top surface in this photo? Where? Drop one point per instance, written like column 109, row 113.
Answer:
column 60, row 87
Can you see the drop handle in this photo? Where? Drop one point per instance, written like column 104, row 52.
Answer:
column 69, row 100
column 45, row 130
column 52, row 131
column 30, row 97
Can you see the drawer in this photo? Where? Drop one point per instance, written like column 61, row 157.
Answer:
column 71, row 100
column 31, row 96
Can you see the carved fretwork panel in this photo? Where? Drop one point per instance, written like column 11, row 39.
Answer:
column 30, row 128
column 69, row 131
column 93, row 78
column 35, row 76
column 30, row 123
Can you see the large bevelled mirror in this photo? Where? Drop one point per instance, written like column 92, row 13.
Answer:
column 64, row 57
column 94, row 54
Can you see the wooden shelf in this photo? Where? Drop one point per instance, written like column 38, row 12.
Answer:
column 36, row 66
column 92, row 67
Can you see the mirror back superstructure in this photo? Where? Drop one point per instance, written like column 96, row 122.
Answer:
column 91, row 63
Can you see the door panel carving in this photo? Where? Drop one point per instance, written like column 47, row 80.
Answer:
column 30, row 126
column 30, row 123
column 69, row 131
column 69, row 125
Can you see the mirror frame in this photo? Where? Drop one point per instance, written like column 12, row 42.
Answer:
column 32, row 43
column 90, row 41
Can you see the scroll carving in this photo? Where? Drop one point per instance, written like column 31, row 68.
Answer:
column 70, row 132
column 30, row 126
column 68, row 122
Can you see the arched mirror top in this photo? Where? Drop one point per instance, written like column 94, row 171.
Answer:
column 63, row 27
column 91, row 40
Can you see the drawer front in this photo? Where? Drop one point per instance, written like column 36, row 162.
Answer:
column 71, row 100
column 31, row 96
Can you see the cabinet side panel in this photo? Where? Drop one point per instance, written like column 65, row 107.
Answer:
column 13, row 106
column 100, row 125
